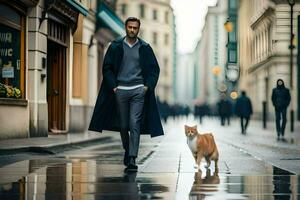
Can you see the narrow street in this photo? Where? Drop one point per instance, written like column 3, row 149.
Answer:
column 251, row 166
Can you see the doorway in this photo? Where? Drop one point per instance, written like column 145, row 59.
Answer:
column 56, row 87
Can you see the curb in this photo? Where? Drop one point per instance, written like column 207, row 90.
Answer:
column 53, row 148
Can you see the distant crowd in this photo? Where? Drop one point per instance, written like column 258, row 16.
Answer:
column 225, row 108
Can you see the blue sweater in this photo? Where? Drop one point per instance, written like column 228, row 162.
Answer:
column 130, row 72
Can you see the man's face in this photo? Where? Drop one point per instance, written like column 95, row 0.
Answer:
column 132, row 29
column 279, row 82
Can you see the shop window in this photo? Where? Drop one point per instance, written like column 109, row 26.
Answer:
column 12, row 53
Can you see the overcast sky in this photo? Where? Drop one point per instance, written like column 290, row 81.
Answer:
column 190, row 15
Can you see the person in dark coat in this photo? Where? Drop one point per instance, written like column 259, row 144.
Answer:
column 281, row 99
column 243, row 109
column 126, row 100
column 224, row 110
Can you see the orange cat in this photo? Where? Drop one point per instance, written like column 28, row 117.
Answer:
column 202, row 145
column 203, row 187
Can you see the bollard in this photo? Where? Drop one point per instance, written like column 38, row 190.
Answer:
column 292, row 120
column 264, row 114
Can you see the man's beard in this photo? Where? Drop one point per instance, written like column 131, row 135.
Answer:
column 132, row 35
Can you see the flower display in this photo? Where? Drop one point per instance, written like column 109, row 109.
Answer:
column 2, row 90
column 9, row 91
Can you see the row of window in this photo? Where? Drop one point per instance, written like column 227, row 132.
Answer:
column 142, row 13
column 155, row 36
column 262, row 44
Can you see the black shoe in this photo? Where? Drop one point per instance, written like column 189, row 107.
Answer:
column 132, row 167
column 283, row 139
column 278, row 138
column 126, row 159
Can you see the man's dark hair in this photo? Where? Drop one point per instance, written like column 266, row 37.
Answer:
column 132, row 19
column 244, row 93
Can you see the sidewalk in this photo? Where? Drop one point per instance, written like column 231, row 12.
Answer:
column 255, row 135
column 50, row 144
column 260, row 143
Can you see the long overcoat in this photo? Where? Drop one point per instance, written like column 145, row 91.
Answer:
column 243, row 107
column 106, row 113
column 281, row 96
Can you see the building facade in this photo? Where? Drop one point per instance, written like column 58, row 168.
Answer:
column 36, row 61
column 91, row 39
column 51, row 56
column 185, row 79
column 210, row 55
column 267, row 36
column 157, row 28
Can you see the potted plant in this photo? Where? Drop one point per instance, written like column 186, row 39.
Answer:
column 2, row 90
column 17, row 93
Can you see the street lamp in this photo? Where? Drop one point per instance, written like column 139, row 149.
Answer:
column 234, row 95
column 291, row 47
column 216, row 70
column 228, row 25
column 232, row 72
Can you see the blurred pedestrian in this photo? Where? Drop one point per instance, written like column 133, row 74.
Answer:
column 224, row 110
column 281, row 99
column 126, row 101
column 243, row 109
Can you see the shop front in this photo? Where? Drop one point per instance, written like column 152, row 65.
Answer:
column 36, row 48
column 13, row 104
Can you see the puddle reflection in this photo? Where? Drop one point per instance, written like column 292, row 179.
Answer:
column 276, row 184
column 87, row 179
column 202, row 185
column 76, row 180
column 282, row 184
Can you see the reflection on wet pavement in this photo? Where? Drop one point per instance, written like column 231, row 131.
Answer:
column 165, row 172
column 86, row 179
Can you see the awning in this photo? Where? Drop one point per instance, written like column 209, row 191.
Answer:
column 78, row 6
column 107, row 18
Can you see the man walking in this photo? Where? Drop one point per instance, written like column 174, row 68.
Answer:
column 224, row 110
column 243, row 109
column 126, row 101
column 281, row 99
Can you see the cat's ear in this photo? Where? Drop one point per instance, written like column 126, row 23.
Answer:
column 185, row 127
column 195, row 127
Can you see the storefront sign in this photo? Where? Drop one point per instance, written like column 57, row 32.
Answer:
column 8, row 72
column 9, row 55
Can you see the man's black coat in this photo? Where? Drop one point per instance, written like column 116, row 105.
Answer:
column 243, row 107
column 105, row 115
column 281, row 96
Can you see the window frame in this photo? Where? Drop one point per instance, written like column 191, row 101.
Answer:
column 155, row 38
column 142, row 11
column 22, row 28
column 167, row 17
column 154, row 14
column 124, row 9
